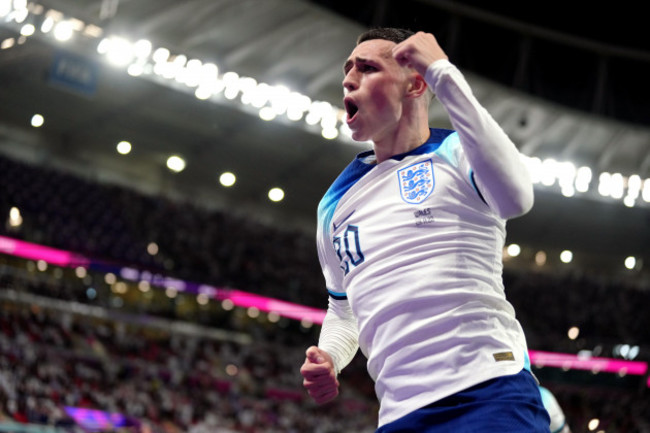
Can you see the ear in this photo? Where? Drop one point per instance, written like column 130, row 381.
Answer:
column 417, row 86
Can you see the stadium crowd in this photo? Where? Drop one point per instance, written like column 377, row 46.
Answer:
column 165, row 381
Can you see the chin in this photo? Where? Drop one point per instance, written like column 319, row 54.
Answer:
column 359, row 136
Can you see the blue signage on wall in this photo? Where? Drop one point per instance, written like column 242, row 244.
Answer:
column 74, row 72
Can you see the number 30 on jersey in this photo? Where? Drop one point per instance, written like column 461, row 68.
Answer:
column 348, row 248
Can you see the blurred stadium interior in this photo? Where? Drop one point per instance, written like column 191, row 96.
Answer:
column 150, row 280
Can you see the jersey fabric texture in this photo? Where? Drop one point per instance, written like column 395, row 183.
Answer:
column 411, row 252
column 505, row 404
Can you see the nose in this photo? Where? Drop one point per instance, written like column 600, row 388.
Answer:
column 350, row 81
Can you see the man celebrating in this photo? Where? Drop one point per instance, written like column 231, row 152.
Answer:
column 410, row 237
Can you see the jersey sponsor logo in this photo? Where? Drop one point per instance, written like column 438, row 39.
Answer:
column 416, row 182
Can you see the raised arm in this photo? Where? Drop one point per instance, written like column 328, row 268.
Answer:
column 499, row 172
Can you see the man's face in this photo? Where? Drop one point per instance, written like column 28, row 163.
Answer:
column 374, row 87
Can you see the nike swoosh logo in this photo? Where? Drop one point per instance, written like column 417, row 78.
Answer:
column 336, row 226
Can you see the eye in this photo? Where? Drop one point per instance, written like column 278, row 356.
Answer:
column 366, row 68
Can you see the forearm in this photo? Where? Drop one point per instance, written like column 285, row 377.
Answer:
column 503, row 179
column 339, row 336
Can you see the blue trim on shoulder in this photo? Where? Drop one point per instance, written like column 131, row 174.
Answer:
column 348, row 177
column 339, row 296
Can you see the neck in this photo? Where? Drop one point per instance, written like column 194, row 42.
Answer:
column 411, row 131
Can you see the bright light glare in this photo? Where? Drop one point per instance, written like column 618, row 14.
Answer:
column 27, row 30
column 267, row 113
column 513, row 250
column 142, row 48
column 47, row 25
column 176, row 163
column 566, row 256
column 227, row 179
column 5, row 7
column 630, row 262
column 330, row 133
column 7, row 43
column 15, row 219
column 618, row 185
column 161, row 55
column 593, row 424
column 123, row 147
column 120, row 51
column 573, row 332
column 604, row 184
column 63, row 31
column 540, row 258
column 549, row 171
column 152, row 248
column 276, row 194
column 583, row 178
column 37, row 120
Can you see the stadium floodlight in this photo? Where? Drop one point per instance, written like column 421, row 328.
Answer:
column 549, row 171
column 330, row 133
column 203, row 93
column 191, row 75
column 20, row 12
column 142, row 48
column 605, row 184
column 267, row 113
column 15, row 218
column 27, row 30
column 47, row 25
column 231, row 85
column 583, row 178
column 63, row 31
column 124, row 147
column 566, row 256
column 513, row 250
column 120, row 52
column 276, row 194
column 618, row 186
column 161, row 55
column 5, row 7
column 7, row 43
column 37, row 120
column 279, row 99
column 227, row 179
column 175, row 163
column 135, row 69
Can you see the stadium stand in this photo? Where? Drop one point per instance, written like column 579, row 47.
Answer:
column 168, row 364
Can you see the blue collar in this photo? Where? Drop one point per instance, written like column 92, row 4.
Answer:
column 436, row 137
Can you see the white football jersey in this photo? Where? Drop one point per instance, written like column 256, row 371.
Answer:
column 414, row 249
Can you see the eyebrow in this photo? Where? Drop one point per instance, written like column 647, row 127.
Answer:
column 349, row 63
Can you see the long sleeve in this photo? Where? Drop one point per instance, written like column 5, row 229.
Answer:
column 499, row 172
column 339, row 336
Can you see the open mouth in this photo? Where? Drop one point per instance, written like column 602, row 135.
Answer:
column 351, row 108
